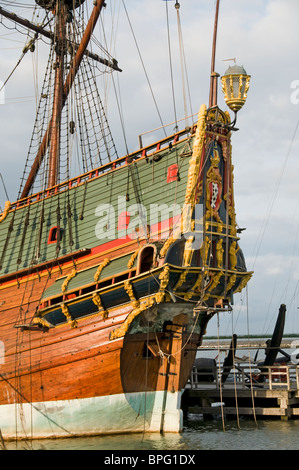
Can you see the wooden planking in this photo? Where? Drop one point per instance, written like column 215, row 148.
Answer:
column 170, row 358
column 88, row 377
column 96, row 193
column 59, row 364
column 64, row 370
column 260, row 401
column 241, row 411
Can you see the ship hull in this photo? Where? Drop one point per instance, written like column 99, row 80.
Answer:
column 98, row 333
column 94, row 386
column 113, row 414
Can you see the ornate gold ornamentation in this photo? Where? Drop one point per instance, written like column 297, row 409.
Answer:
column 6, row 210
column 188, row 251
column 100, row 269
column 129, row 290
column 159, row 297
column 201, row 284
column 68, row 279
column 204, row 251
column 194, row 163
column 181, row 280
column 198, row 284
column 244, row 281
column 41, row 322
column 96, row 298
column 133, row 257
column 122, row 330
column 192, row 181
column 219, row 253
column 217, row 115
column 233, row 255
column 188, row 295
column 68, row 316
column 215, row 280
column 229, row 196
column 166, row 246
column 164, row 279
column 232, row 281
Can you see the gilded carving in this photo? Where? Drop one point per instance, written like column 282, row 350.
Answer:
column 232, row 281
column 198, row 284
column 192, row 182
column 219, row 253
column 215, row 280
column 181, row 280
column 204, row 251
column 96, row 298
column 166, row 246
column 164, row 279
column 68, row 279
column 122, row 330
column 68, row 316
column 100, row 269
column 194, row 163
column 188, row 251
column 229, row 196
column 133, row 257
column 233, row 255
column 129, row 290
column 244, row 282
column 41, row 322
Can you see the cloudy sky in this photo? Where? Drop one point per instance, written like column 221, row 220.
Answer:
column 263, row 37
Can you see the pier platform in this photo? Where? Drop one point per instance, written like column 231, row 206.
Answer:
column 274, row 392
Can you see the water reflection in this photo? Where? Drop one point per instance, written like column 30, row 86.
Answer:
column 198, row 435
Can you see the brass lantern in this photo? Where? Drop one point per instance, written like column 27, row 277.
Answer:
column 235, row 84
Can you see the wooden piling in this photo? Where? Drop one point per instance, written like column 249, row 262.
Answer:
column 276, row 396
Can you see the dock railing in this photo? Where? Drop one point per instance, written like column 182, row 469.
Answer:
column 285, row 377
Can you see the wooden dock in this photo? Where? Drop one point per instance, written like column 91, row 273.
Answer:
column 253, row 343
column 276, row 396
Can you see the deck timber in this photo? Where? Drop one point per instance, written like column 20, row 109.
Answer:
column 277, row 397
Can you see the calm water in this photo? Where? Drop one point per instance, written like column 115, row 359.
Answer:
column 198, row 435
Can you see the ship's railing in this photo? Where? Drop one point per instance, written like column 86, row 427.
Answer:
column 144, row 152
column 165, row 126
column 285, row 377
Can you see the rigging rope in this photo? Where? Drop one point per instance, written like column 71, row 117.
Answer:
column 28, row 47
column 88, row 123
column 143, row 66
column 271, row 204
column 19, row 393
column 183, row 65
column 170, row 67
column 250, row 369
column 219, row 373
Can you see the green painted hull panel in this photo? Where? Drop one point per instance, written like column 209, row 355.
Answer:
column 145, row 183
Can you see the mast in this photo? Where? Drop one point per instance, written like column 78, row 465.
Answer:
column 60, row 96
column 214, row 75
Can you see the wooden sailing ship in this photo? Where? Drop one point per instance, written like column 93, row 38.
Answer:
column 108, row 279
